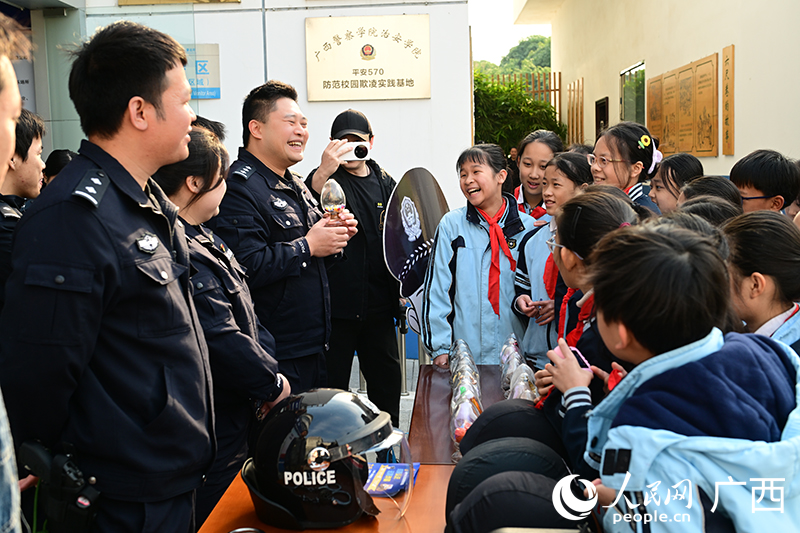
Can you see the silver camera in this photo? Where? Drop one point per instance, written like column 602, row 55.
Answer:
column 358, row 151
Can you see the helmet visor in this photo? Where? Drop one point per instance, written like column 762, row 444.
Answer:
column 391, row 475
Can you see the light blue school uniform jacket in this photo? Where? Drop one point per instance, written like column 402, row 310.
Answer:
column 455, row 302
column 719, row 408
column 529, row 280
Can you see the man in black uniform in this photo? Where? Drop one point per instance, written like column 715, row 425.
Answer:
column 23, row 182
column 105, row 358
column 271, row 222
column 364, row 295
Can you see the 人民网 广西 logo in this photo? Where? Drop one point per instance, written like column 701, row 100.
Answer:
column 570, row 506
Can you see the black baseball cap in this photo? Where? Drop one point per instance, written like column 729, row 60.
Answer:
column 351, row 122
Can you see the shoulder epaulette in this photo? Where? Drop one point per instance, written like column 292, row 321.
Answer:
column 9, row 212
column 93, row 186
column 245, row 171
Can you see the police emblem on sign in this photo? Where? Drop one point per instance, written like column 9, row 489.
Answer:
column 410, row 219
column 367, row 52
column 147, row 243
column 280, row 203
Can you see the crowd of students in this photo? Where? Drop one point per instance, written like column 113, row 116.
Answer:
column 657, row 306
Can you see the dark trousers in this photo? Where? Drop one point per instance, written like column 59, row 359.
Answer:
column 168, row 516
column 304, row 373
column 375, row 341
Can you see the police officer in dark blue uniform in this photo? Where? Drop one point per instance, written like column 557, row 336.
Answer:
column 272, row 223
column 106, row 360
column 240, row 348
column 23, row 182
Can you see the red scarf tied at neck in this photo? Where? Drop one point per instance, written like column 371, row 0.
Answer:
column 497, row 240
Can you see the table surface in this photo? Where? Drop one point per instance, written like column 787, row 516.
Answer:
column 425, row 513
column 429, row 433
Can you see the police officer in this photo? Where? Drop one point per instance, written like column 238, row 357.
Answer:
column 23, row 182
column 105, row 359
column 239, row 347
column 272, row 224
column 364, row 295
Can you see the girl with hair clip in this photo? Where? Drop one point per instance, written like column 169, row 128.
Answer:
column 673, row 172
column 539, row 288
column 533, row 153
column 469, row 284
column 245, row 375
column 764, row 281
column 626, row 156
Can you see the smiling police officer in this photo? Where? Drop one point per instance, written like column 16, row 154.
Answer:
column 104, row 359
column 271, row 222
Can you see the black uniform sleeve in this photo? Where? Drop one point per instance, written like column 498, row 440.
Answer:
column 60, row 274
column 238, row 361
column 6, row 233
column 241, row 225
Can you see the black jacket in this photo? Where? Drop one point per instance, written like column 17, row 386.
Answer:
column 10, row 213
column 349, row 278
column 106, row 353
column 264, row 218
column 239, row 346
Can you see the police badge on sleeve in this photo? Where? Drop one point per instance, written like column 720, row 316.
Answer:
column 147, row 243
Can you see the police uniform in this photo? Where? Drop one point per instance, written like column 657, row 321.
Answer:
column 264, row 218
column 240, row 351
column 10, row 213
column 106, row 357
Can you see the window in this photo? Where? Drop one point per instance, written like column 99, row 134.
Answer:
column 631, row 91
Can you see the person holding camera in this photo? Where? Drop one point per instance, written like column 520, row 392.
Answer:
column 364, row 295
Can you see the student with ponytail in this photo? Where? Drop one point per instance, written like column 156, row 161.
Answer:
column 764, row 280
column 469, row 285
column 626, row 156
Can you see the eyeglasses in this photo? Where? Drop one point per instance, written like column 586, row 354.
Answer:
column 602, row 162
column 756, row 197
column 552, row 245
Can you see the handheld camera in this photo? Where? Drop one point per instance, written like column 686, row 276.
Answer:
column 358, row 151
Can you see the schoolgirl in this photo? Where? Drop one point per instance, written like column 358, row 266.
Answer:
column 673, row 172
column 533, row 153
column 469, row 284
column 240, row 348
column 538, row 287
column 626, row 156
column 763, row 264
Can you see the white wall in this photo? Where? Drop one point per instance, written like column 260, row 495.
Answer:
column 429, row 133
column 596, row 40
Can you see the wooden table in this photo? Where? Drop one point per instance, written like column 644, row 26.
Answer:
column 429, row 434
column 425, row 513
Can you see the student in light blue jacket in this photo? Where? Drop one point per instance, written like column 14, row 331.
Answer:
column 703, row 417
column 469, row 285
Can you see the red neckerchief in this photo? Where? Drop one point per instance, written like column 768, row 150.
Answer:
column 498, row 241
column 562, row 313
column 537, row 212
column 550, row 276
column 613, row 379
column 585, row 314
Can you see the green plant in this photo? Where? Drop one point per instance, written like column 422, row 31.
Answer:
column 504, row 114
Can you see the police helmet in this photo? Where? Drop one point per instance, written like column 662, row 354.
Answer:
column 309, row 466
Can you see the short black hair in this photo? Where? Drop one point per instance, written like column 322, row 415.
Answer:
column 30, row 126
column 585, row 219
column 677, row 169
column 57, row 160
column 718, row 186
column 634, row 143
column 13, row 42
column 580, row 148
column 261, row 102
column 574, row 166
column 121, row 61
column 217, row 128
column 547, row 137
column 769, row 243
column 712, row 208
column 689, row 298
column 693, row 222
column 769, row 172
column 208, row 159
column 484, row 154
